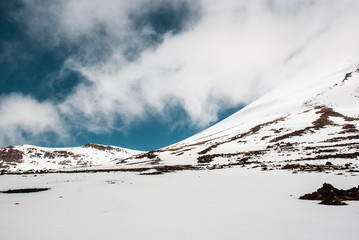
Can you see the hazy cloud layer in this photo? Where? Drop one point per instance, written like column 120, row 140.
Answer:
column 145, row 57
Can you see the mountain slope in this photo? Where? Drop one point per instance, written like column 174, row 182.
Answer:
column 315, row 128
column 33, row 158
column 311, row 128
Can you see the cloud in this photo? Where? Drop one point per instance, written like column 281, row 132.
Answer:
column 22, row 119
column 138, row 61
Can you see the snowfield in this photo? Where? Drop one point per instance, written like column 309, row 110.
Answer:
column 234, row 203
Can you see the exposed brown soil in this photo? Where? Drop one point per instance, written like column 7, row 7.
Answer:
column 58, row 154
column 315, row 167
column 251, row 131
column 349, row 128
column 189, row 146
column 65, row 163
column 167, row 169
column 149, row 155
column 352, row 144
column 101, row 147
column 328, row 156
column 338, row 139
column 206, row 158
column 242, row 163
column 178, row 153
column 328, row 150
column 320, row 123
column 9, row 154
column 255, row 129
column 242, row 156
column 173, row 168
column 333, row 196
column 26, row 190
column 291, row 134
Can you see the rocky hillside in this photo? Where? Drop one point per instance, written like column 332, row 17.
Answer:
column 315, row 128
column 32, row 158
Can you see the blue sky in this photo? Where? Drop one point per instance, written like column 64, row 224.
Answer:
column 29, row 68
column 146, row 74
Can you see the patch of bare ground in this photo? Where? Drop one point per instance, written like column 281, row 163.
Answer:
column 292, row 134
column 351, row 144
column 10, row 156
column 353, row 155
column 101, row 147
column 174, row 150
column 251, row 131
column 61, row 154
column 330, row 195
column 149, row 155
column 321, row 122
column 348, row 128
column 65, row 163
column 242, row 156
column 265, row 137
column 330, row 150
column 182, row 151
column 316, row 167
column 207, row 158
column 284, row 146
column 255, row 129
column 170, row 168
column 25, row 190
column 339, row 139
column 243, row 163
column 151, row 162
column 188, row 145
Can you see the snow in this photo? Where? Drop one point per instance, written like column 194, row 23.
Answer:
column 43, row 158
column 226, row 204
column 290, row 98
column 288, row 113
column 295, row 113
column 230, row 203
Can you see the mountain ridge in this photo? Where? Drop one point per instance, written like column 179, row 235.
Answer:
column 310, row 129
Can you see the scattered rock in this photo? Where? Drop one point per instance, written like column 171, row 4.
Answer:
column 333, row 196
column 25, row 190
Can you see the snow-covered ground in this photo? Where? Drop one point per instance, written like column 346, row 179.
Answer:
column 234, row 203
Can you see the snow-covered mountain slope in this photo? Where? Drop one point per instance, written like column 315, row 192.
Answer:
column 302, row 127
column 314, row 128
column 33, row 158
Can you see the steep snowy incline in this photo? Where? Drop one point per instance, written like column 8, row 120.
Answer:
column 310, row 129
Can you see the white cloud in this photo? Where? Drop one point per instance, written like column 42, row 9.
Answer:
column 234, row 53
column 22, row 118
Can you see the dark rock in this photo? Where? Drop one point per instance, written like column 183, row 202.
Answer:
column 26, row 190
column 333, row 196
